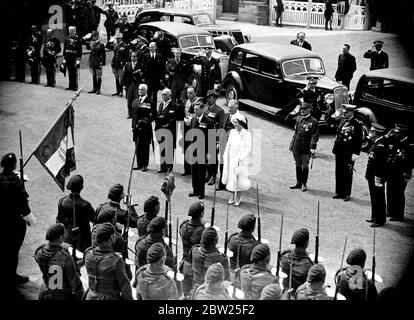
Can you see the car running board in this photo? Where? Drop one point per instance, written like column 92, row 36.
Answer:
column 261, row 106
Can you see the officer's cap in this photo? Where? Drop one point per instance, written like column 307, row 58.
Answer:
column 316, row 273
column 157, row 225
column 212, row 92
column 377, row 127
column 357, row 257
column 271, row 292
column 247, row 222
column 150, row 203
column 8, row 160
column 115, row 192
column 75, row 183
column 215, row 273
column 155, row 252
column 196, row 209
column 260, row 252
column 55, row 231
column 208, row 237
column 300, row 237
column 312, row 78
column 402, row 127
column 106, row 214
column 348, row 107
column 143, row 39
column 104, row 231
column 379, row 42
column 306, row 106
column 119, row 35
column 175, row 50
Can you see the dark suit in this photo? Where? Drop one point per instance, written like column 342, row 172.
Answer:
column 348, row 142
column 198, row 170
column 35, row 42
column 305, row 44
column 131, row 79
column 166, row 119
column 346, row 68
column 177, row 77
column 379, row 60
column 376, row 168
column 143, row 113
column 153, row 71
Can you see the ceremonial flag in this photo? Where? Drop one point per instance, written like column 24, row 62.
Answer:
column 56, row 151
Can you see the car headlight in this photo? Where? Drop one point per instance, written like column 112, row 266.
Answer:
column 329, row 98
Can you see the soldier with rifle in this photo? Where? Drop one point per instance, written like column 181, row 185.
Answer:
column 205, row 254
column 279, row 251
column 61, row 280
column 352, row 282
column 254, row 277
column 242, row 243
column 151, row 209
column 313, row 288
column 108, row 214
column 190, row 232
column 155, row 280
column 301, row 262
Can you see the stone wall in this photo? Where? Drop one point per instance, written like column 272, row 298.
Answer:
column 248, row 10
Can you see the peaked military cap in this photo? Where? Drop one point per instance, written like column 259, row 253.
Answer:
column 378, row 42
column 247, row 222
column 377, row 127
column 312, row 78
column 212, row 92
column 55, row 231
column 348, row 107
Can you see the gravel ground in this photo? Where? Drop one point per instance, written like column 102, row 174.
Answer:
column 104, row 151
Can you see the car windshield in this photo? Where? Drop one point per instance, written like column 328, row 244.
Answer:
column 202, row 20
column 196, row 41
column 303, row 66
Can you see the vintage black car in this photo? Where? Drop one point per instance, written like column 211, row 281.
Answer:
column 196, row 18
column 384, row 96
column 191, row 40
column 268, row 76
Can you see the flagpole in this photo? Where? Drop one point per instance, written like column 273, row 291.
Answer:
column 51, row 127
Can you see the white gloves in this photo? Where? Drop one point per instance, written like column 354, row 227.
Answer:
column 378, row 182
column 30, row 219
column 313, row 151
column 354, row 157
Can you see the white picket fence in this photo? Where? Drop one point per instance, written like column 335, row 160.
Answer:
column 297, row 13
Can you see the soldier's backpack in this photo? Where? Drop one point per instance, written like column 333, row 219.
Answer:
column 153, row 286
column 203, row 294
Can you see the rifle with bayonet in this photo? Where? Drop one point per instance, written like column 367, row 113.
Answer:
column 259, row 225
column 226, row 234
column 170, row 226
column 340, row 269
column 373, row 260
column 279, row 251
column 213, row 208
column 317, row 236
column 74, row 230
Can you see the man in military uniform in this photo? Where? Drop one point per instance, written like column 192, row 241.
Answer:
column 214, row 286
column 163, row 46
column 254, row 277
column 155, row 234
column 107, row 276
column 111, row 18
column 216, row 115
column 153, row 71
column 400, row 166
column 313, row 288
column 190, row 232
column 61, row 280
column 177, row 71
column 124, row 27
column 205, row 254
column 131, row 79
column 199, row 151
column 188, row 109
column 310, row 94
column 379, row 58
column 352, row 280
column 347, row 148
column 72, row 53
column 155, row 280
column 78, row 231
column 121, row 56
column 108, row 214
column 242, row 243
column 167, row 116
column 376, row 174
column 271, row 292
column 50, row 50
column 115, row 195
column 139, row 45
column 33, row 52
column 14, row 200
column 143, row 113
column 151, row 209
column 298, row 258
column 97, row 59
column 210, row 72
column 303, row 145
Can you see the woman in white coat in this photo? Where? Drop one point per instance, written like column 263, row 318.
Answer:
column 235, row 159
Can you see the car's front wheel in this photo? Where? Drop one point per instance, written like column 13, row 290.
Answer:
column 231, row 91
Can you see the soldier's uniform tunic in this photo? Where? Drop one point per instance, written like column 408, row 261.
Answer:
column 301, row 265
column 190, row 233
column 242, row 245
column 144, row 243
column 379, row 59
column 204, row 292
column 155, row 284
column 348, row 142
column 305, row 292
column 117, row 241
column 202, row 259
column 177, row 72
column 121, row 214
column 143, row 222
column 107, row 276
column 352, row 292
column 121, row 56
column 97, row 59
column 50, row 50
column 377, row 167
column 210, row 74
column 253, row 279
column 72, row 51
column 84, row 214
column 60, row 278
